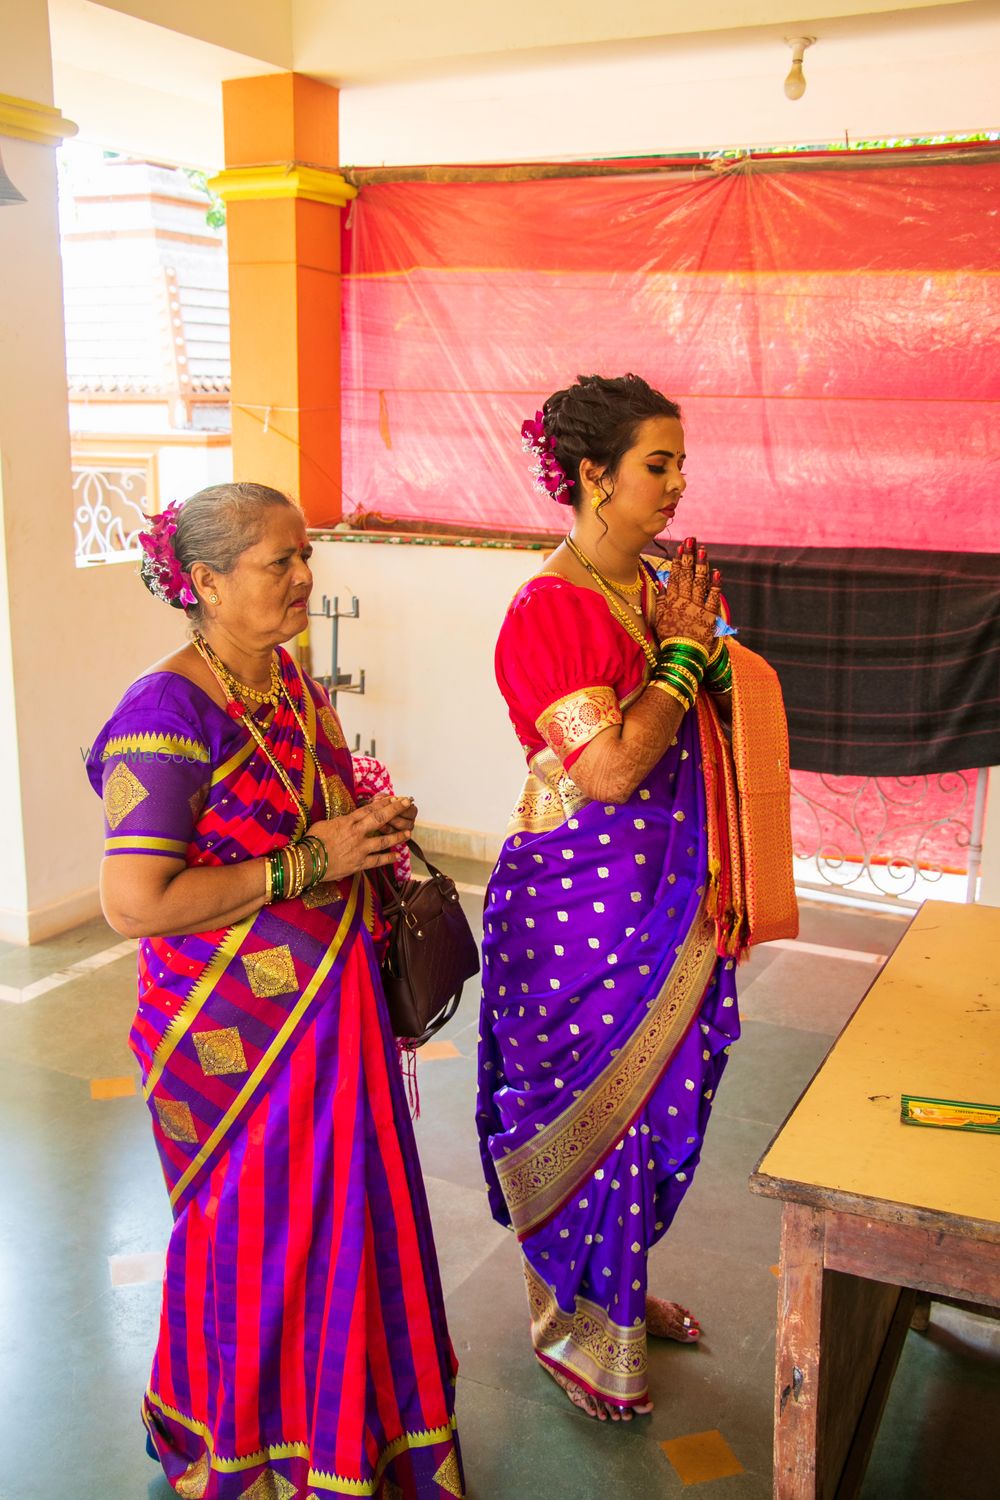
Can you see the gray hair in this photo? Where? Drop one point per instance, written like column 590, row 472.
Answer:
column 216, row 526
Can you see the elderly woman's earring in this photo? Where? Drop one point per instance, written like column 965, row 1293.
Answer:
column 214, row 598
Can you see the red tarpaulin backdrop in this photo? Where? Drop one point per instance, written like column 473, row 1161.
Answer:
column 827, row 324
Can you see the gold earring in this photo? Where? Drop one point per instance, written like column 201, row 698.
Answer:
column 598, row 499
column 214, row 598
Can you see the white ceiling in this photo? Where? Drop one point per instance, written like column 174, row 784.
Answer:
column 449, row 81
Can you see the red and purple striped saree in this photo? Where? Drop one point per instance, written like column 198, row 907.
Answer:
column 303, row 1350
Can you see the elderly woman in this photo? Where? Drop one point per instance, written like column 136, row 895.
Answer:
column 303, row 1348
column 630, row 883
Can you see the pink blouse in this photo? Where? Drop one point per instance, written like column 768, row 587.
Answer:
column 565, row 666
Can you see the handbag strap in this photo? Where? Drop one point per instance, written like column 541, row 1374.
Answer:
column 415, row 848
column 389, row 893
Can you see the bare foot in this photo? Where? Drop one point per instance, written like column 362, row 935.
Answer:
column 602, row 1411
column 668, row 1320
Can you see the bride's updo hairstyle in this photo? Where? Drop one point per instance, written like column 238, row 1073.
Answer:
column 599, row 418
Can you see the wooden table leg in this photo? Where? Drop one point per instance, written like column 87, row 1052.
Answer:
column 921, row 1313
column 800, row 1313
column 839, row 1338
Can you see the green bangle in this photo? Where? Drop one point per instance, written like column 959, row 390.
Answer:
column 682, row 682
column 683, row 649
column 719, row 677
column 686, row 643
column 316, row 848
column 719, row 662
column 681, row 659
column 675, row 672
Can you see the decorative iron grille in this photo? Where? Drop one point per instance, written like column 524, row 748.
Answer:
column 884, row 836
column 110, row 499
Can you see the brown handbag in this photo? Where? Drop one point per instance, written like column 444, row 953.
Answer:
column 431, row 951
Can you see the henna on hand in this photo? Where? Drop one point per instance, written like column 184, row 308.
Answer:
column 615, row 762
column 691, row 602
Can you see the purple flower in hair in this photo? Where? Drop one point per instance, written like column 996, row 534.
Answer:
column 167, row 579
column 548, row 472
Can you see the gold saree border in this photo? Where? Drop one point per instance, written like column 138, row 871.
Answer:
column 201, row 993
column 550, row 796
column 607, row 1357
column 151, row 743
column 236, row 759
column 319, row 1478
column 141, row 843
column 309, row 719
column 578, row 717
column 748, row 787
column 761, row 763
column 278, row 1043
column 538, row 1177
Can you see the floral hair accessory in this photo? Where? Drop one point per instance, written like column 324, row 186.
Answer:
column 163, row 573
column 548, row 472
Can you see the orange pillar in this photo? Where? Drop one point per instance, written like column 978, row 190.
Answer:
column 284, row 201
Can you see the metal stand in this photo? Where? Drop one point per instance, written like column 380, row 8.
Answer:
column 336, row 681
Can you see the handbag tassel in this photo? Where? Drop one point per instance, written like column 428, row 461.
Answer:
column 408, row 1066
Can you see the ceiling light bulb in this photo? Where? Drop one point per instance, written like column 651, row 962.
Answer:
column 795, row 83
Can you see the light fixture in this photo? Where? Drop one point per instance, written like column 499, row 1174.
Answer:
column 8, row 192
column 795, row 83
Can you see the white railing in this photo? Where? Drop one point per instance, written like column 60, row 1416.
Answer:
column 121, row 477
column 110, row 500
column 882, row 838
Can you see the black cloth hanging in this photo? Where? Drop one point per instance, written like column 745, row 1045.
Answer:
column 889, row 660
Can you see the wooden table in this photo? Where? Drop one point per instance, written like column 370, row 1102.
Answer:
column 877, row 1211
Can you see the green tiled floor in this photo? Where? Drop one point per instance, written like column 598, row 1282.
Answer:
column 81, row 1183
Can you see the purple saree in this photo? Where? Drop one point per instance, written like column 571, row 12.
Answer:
column 607, row 1016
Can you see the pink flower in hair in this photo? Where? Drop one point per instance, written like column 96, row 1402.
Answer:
column 548, row 472
column 167, row 579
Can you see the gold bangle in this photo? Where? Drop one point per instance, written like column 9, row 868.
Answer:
column 672, row 692
column 720, row 646
column 268, row 881
column 300, row 875
column 674, row 666
column 684, row 640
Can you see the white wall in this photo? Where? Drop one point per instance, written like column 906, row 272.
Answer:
column 426, row 635
column 70, row 639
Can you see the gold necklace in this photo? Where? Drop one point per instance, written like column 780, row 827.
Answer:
column 312, row 750
column 237, row 688
column 256, row 733
column 611, row 583
column 617, row 607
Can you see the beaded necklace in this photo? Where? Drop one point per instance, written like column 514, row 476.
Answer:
column 237, row 709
